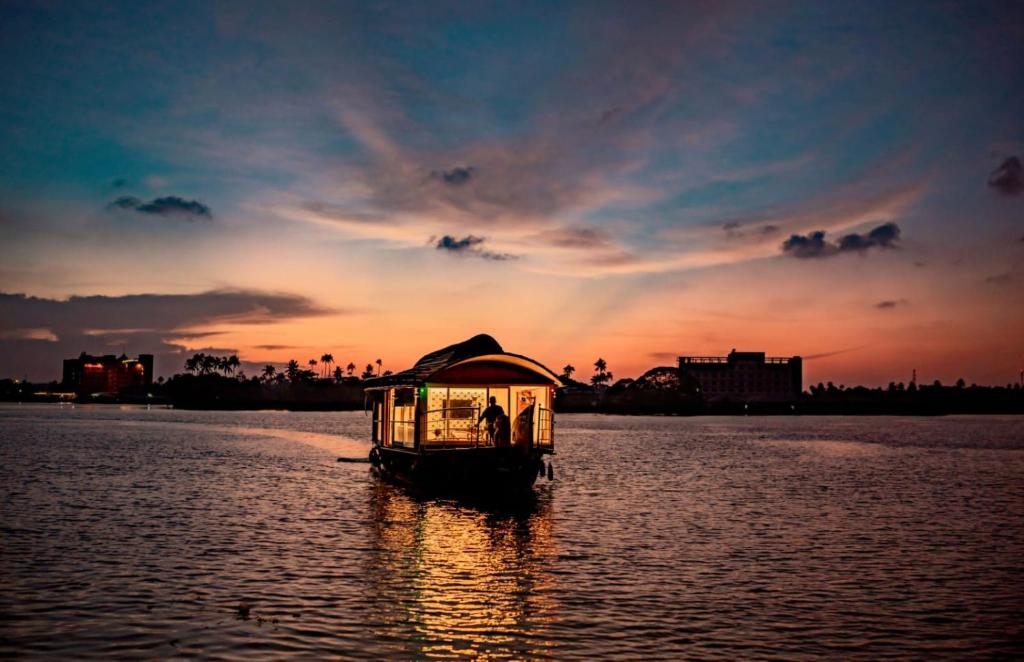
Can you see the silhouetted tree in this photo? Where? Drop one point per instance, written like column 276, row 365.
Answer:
column 192, row 364
column 368, row 372
column 379, row 364
column 210, row 364
column 960, row 383
column 351, row 367
column 327, row 360
column 568, row 370
column 601, row 374
column 312, row 365
column 268, row 372
column 292, row 370
column 338, row 374
column 233, row 363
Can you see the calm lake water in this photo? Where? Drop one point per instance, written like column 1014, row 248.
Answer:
column 137, row 533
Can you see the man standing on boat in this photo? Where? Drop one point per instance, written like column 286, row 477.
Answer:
column 491, row 414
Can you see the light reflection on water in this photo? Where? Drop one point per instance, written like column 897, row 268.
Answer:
column 137, row 533
column 468, row 582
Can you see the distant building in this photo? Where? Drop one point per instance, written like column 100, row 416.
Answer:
column 743, row 376
column 107, row 374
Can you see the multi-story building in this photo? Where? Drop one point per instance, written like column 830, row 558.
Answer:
column 744, row 376
column 108, row 374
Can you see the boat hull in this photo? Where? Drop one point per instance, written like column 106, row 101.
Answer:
column 478, row 470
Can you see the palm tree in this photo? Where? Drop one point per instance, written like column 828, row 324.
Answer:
column 292, row 371
column 210, row 363
column 351, row 367
column 268, row 372
column 368, row 372
column 601, row 374
column 233, row 363
column 379, row 364
column 192, row 364
column 337, row 374
column 327, row 360
column 312, row 365
column 568, row 370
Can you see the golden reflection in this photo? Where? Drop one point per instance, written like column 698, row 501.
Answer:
column 471, row 581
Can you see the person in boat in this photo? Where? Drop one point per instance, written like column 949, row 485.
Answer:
column 491, row 415
column 502, row 431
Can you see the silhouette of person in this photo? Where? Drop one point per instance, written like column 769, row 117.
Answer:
column 491, row 414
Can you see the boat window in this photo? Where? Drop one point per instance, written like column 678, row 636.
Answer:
column 458, row 408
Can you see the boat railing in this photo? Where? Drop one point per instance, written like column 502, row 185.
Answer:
column 545, row 428
column 451, row 427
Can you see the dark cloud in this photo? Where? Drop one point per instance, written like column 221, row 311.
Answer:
column 1000, row 279
column 37, row 333
column 469, row 245
column 1008, row 178
column 457, row 175
column 166, row 206
column 271, row 348
column 816, row 245
column 889, row 304
column 125, row 202
column 812, row 245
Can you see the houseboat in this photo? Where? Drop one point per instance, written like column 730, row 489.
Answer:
column 470, row 415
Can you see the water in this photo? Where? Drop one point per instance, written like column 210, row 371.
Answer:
column 138, row 533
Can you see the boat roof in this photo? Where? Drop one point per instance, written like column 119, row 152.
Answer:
column 479, row 348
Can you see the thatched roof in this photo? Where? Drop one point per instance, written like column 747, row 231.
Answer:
column 434, row 362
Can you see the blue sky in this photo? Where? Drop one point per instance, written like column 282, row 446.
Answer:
column 618, row 179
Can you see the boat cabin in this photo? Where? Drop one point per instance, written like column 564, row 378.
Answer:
column 442, row 402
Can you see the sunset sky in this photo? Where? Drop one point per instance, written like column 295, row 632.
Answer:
column 633, row 181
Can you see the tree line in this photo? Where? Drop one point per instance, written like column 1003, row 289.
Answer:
column 322, row 369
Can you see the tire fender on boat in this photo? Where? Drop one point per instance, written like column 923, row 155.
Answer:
column 375, row 457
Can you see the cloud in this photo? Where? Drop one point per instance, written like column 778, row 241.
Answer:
column 166, row 206
column 469, row 245
column 271, row 348
column 1000, row 279
column 889, row 304
column 836, row 352
column 125, row 202
column 120, row 182
column 36, row 333
column 816, row 245
column 457, row 175
column 736, row 230
column 1008, row 178
column 576, row 237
